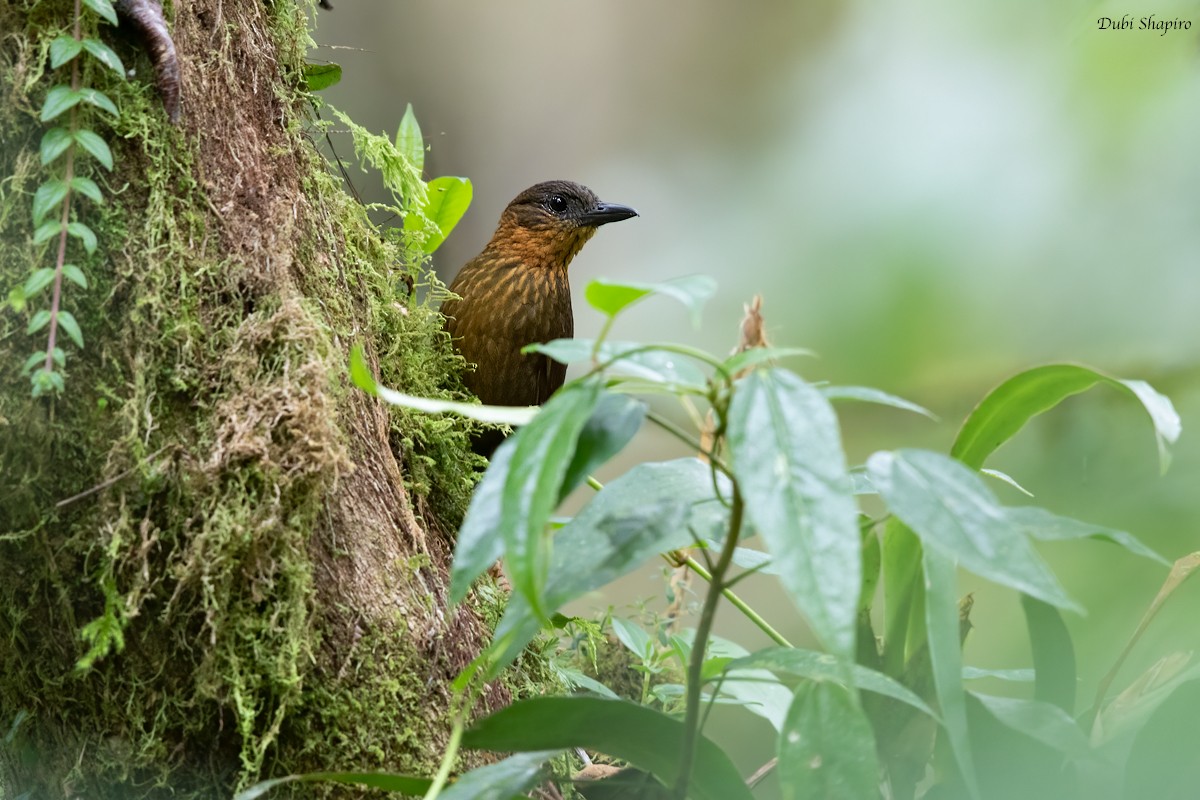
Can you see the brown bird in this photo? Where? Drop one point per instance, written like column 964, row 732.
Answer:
column 516, row 293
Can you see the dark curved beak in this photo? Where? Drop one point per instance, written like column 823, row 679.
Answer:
column 604, row 213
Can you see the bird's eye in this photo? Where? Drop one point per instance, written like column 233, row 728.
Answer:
column 557, row 203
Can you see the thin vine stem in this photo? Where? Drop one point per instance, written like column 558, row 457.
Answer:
column 691, row 723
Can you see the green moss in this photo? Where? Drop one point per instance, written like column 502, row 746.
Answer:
column 202, row 419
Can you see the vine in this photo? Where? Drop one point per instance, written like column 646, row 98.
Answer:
column 60, row 145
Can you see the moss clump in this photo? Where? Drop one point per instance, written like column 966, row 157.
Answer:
column 169, row 558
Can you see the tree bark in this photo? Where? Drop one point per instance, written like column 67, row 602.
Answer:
column 209, row 516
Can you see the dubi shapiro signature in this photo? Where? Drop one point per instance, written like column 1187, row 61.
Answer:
column 1151, row 23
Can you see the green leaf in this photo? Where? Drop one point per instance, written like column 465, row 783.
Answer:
column 84, row 234
column 643, row 361
column 747, row 359
column 376, row 780
column 866, row 394
column 39, row 279
column 104, row 8
column 505, row 780
column 1044, row 722
column 446, row 202
column 105, row 55
column 1007, row 408
column 321, row 76
column 614, row 422
column 756, row 688
column 58, row 357
column 95, row 146
column 636, row 640
column 947, row 504
column 1053, row 653
column 63, row 49
column 611, row 298
column 361, row 376
column 66, row 320
column 643, row 737
column 46, row 381
column 54, row 143
column 47, row 198
column 826, row 748
column 543, row 452
column 37, row 322
column 98, row 99
column 35, row 359
column 409, row 141
column 1049, row 527
column 1016, row 675
column 816, row 666
column 1004, row 477
column 945, row 658
column 75, row 275
column 788, row 460
column 58, row 100
column 649, row 510
column 903, row 593
column 479, row 544
column 88, row 188
column 47, row 231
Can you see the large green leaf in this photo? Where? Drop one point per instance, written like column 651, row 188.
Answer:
column 322, row 76
column 788, row 459
column 945, row 658
column 1007, row 408
column 643, row 737
column 479, row 544
column 404, row 784
column 505, row 780
column 611, row 297
column 950, row 508
column 1053, row 654
column 1044, row 722
column 544, row 449
column 867, row 394
column 826, row 747
column 613, row 423
column 447, row 200
column 649, row 510
column 818, row 666
column 903, row 594
column 1049, row 527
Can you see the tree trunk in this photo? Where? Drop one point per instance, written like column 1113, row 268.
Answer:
column 212, row 569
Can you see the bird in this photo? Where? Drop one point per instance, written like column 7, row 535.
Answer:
column 516, row 292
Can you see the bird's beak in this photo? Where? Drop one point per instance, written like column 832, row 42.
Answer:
column 604, row 213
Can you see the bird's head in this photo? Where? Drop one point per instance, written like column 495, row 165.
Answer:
column 548, row 223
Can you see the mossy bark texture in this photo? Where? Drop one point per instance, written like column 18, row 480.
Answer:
column 211, row 568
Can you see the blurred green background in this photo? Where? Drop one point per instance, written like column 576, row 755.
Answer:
column 931, row 195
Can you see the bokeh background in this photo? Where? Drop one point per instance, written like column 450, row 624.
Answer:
column 931, row 195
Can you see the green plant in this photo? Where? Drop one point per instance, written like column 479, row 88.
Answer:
column 59, row 146
column 871, row 710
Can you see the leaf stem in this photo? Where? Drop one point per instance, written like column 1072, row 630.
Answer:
column 739, row 604
column 65, row 219
column 685, row 437
column 708, row 615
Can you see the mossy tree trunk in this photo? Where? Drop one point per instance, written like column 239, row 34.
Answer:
column 208, row 498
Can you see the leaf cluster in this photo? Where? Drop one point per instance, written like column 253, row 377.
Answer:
column 876, row 707
column 52, row 207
